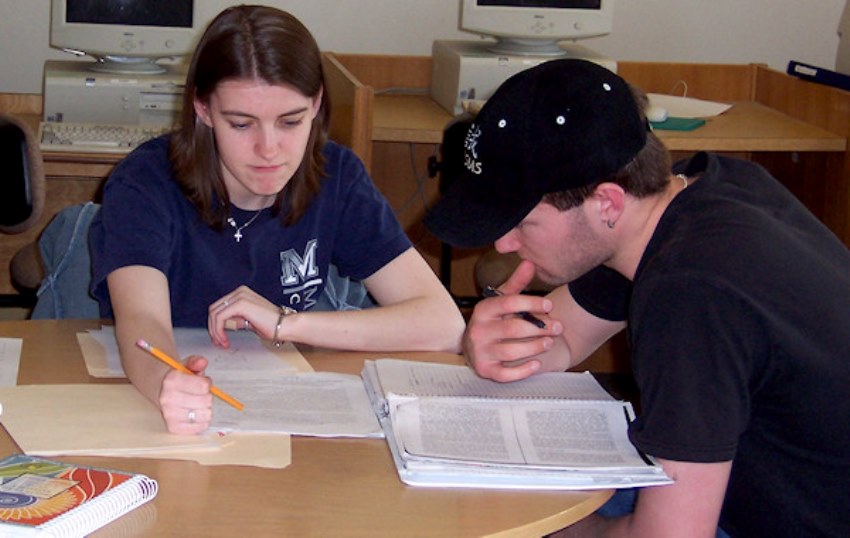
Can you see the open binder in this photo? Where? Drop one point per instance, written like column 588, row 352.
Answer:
column 446, row 427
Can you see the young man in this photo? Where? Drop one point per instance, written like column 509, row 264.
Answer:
column 734, row 298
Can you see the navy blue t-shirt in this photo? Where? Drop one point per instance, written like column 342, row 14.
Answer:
column 146, row 220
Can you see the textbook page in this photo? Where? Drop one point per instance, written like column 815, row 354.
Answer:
column 564, row 434
column 432, row 379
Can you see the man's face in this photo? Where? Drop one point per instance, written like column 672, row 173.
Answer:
column 561, row 244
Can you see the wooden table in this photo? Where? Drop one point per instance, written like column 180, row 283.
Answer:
column 334, row 487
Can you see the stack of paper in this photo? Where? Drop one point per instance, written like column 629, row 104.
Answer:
column 282, row 396
column 280, row 391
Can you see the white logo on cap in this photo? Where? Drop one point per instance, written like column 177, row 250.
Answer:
column 470, row 156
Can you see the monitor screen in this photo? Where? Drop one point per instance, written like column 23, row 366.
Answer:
column 125, row 35
column 579, row 4
column 166, row 13
column 536, row 26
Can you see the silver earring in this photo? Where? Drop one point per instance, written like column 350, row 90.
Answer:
column 610, row 224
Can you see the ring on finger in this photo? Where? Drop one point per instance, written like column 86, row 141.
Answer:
column 225, row 302
column 191, row 416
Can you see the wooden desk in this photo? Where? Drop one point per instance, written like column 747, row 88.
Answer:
column 334, row 487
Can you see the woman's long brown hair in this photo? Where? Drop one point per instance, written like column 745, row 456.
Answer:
column 248, row 43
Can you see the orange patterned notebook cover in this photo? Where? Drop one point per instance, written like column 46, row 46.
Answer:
column 53, row 498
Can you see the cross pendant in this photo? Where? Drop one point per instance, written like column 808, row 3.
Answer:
column 238, row 235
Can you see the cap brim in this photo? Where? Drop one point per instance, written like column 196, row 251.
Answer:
column 469, row 215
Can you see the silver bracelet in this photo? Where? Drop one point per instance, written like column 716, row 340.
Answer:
column 284, row 311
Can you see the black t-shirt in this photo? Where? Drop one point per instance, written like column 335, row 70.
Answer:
column 739, row 326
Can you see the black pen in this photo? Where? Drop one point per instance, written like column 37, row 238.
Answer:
column 490, row 291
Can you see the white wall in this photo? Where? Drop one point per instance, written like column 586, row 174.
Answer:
column 723, row 31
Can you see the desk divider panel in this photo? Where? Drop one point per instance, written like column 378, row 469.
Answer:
column 820, row 180
column 351, row 108
column 21, row 103
column 714, row 82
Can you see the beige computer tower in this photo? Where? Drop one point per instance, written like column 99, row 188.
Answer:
column 469, row 70
column 74, row 93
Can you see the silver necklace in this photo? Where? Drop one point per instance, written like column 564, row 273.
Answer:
column 238, row 233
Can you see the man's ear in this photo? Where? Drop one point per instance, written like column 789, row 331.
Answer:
column 202, row 111
column 610, row 200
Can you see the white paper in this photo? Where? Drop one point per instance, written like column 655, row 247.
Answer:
column 319, row 404
column 687, row 107
column 246, row 351
column 10, row 360
column 280, row 391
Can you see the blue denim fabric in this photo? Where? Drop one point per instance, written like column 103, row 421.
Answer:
column 621, row 504
column 64, row 248
column 342, row 293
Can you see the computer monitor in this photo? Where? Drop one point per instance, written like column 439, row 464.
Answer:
column 535, row 27
column 125, row 36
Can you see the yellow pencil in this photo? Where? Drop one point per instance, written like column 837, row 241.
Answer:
column 178, row 366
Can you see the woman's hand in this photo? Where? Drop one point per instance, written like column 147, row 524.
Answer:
column 185, row 399
column 242, row 308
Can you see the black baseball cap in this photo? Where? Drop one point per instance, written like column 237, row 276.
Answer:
column 560, row 125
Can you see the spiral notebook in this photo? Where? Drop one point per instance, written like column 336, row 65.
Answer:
column 41, row 497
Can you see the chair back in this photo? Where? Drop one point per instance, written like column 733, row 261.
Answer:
column 21, row 176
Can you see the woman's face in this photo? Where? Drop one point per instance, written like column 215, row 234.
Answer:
column 261, row 132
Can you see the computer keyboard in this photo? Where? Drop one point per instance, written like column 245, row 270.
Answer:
column 94, row 138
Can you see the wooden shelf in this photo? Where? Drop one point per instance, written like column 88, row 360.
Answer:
column 408, row 118
column 750, row 126
column 746, row 127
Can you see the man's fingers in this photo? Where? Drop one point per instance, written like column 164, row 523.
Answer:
column 519, row 279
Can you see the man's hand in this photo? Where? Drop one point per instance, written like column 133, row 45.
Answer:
column 502, row 346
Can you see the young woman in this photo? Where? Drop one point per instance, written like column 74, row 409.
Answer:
column 247, row 215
